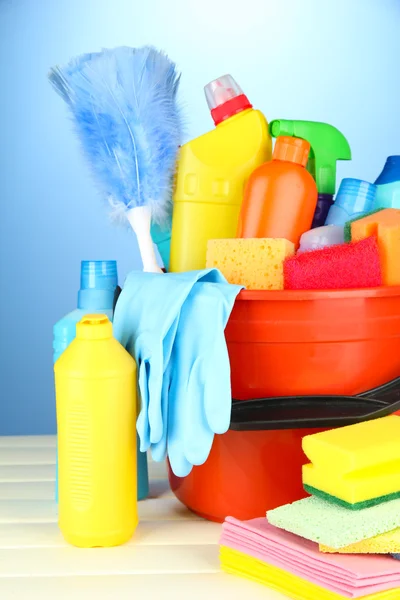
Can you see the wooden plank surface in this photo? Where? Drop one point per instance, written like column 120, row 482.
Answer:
column 173, row 554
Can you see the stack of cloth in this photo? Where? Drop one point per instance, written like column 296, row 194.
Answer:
column 340, row 541
column 295, row 567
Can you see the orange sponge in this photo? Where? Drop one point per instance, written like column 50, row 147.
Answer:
column 385, row 225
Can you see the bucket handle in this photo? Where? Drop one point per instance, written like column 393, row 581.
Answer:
column 319, row 412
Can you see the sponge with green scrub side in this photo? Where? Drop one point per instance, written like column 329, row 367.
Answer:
column 347, row 226
column 332, row 525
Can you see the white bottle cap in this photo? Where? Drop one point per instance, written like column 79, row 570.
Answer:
column 221, row 90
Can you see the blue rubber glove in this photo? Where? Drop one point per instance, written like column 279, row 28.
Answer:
column 184, row 351
column 199, row 390
column 215, row 406
column 146, row 328
column 146, row 319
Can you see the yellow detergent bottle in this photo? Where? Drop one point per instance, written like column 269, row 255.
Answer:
column 212, row 172
column 95, row 382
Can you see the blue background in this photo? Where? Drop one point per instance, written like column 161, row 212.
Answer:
column 334, row 61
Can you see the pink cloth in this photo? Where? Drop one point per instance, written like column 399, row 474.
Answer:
column 353, row 576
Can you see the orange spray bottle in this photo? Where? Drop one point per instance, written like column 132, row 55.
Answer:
column 281, row 196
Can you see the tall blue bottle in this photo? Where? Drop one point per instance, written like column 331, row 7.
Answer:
column 99, row 280
column 388, row 184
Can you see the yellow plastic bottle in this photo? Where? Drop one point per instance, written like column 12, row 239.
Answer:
column 95, row 381
column 212, row 172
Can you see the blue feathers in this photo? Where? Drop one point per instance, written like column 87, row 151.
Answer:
column 124, row 105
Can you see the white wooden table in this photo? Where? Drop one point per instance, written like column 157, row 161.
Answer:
column 173, row 555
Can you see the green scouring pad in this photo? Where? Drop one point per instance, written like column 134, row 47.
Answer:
column 357, row 505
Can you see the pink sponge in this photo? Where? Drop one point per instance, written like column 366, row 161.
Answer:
column 354, row 265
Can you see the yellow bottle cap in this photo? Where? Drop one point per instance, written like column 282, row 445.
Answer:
column 94, row 327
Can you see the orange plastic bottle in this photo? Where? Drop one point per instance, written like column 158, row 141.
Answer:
column 280, row 196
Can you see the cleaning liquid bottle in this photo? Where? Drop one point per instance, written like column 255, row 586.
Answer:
column 212, row 172
column 95, row 381
column 388, row 184
column 99, row 281
column 321, row 237
column 328, row 145
column 354, row 198
column 280, row 196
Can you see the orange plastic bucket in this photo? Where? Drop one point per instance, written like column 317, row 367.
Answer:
column 290, row 343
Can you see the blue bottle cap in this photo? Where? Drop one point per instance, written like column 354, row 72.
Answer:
column 99, row 275
column 99, row 279
column 390, row 172
column 356, row 196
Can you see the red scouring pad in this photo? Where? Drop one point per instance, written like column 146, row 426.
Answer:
column 353, row 265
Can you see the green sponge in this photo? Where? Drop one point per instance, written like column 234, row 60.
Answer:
column 357, row 505
column 335, row 526
column 347, row 226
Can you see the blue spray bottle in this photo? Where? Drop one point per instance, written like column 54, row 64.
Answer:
column 99, row 282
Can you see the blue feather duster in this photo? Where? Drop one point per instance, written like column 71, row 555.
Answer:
column 124, row 105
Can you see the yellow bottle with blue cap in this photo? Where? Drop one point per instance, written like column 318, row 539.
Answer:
column 212, row 172
column 95, row 381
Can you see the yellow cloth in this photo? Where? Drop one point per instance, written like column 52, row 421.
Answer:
column 294, row 587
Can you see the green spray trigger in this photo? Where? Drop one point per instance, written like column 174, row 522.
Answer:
column 327, row 143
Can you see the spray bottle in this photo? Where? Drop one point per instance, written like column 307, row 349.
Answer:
column 328, row 145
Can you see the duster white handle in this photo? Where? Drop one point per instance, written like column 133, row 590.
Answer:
column 140, row 220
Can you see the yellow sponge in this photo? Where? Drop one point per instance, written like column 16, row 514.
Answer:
column 386, row 543
column 358, row 465
column 256, row 263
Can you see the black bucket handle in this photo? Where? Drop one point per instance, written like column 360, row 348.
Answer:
column 315, row 412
